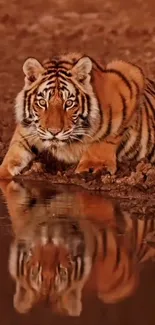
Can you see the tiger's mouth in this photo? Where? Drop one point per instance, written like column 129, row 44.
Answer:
column 76, row 133
column 55, row 142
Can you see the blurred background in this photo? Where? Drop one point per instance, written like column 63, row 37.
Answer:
column 103, row 29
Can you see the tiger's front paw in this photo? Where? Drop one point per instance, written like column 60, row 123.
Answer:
column 10, row 169
column 36, row 167
column 96, row 166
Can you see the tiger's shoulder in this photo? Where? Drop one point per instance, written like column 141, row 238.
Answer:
column 118, row 76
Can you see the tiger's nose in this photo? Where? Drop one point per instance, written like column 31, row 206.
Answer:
column 54, row 131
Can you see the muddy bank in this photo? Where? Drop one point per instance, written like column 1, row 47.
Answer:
column 132, row 180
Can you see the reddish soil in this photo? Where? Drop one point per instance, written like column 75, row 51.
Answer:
column 103, row 29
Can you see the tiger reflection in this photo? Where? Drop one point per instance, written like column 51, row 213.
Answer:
column 67, row 241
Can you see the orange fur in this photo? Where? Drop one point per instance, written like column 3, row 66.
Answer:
column 82, row 113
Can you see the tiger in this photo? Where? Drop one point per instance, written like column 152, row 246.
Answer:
column 82, row 113
column 64, row 247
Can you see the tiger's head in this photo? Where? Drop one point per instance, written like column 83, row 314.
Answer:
column 41, row 274
column 58, row 101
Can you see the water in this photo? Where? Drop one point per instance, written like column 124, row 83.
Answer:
column 73, row 256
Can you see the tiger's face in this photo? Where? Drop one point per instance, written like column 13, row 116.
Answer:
column 58, row 99
column 56, row 113
column 41, row 274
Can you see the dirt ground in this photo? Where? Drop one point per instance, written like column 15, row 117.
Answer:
column 103, row 29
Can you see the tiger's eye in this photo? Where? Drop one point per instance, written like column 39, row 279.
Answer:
column 69, row 103
column 42, row 102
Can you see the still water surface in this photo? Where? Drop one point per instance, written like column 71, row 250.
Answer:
column 73, row 256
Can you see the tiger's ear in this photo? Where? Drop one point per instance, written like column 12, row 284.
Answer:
column 81, row 70
column 32, row 69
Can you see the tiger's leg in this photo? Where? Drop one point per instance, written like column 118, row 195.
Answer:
column 16, row 200
column 99, row 156
column 19, row 154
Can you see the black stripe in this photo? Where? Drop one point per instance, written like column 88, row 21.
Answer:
column 109, row 126
column 82, row 268
column 82, row 103
column 150, row 104
column 152, row 134
column 51, row 71
column 150, row 90
column 75, row 269
column 122, row 77
column 48, row 88
column 51, row 82
column 151, row 130
column 124, row 108
column 122, row 145
column 22, row 264
column 63, row 88
column 95, row 249
column 137, row 88
column 48, row 75
column 118, row 256
column 28, row 104
column 136, row 66
column 134, row 150
column 84, row 108
column 136, row 147
column 26, row 122
column 58, row 72
column 87, row 104
column 25, row 146
column 100, row 111
column 41, row 94
column 98, row 65
column 62, row 77
column 64, row 72
column 32, row 91
column 57, row 62
column 25, row 100
column 151, row 82
column 63, row 83
column 148, row 127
